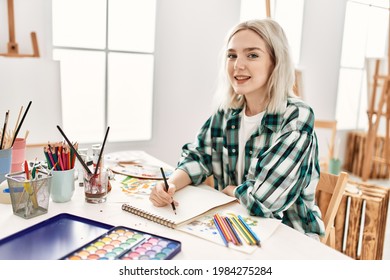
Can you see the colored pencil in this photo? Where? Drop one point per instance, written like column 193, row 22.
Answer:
column 101, row 150
column 251, row 232
column 220, row 232
column 73, row 156
column 49, row 153
column 223, row 227
column 21, row 122
column 63, row 157
column 241, row 230
column 63, row 167
column 239, row 242
column 229, row 231
column 49, row 164
column 69, row 155
column 167, row 188
column 26, row 171
column 74, row 150
column 54, row 155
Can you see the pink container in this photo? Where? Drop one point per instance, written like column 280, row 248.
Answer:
column 18, row 154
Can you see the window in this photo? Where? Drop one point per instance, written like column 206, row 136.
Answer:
column 106, row 53
column 365, row 35
column 288, row 13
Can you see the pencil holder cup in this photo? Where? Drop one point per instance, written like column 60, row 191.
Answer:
column 334, row 166
column 96, row 187
column 5, row 163
column 29, row 198
column 62, row 187
column 18, row 154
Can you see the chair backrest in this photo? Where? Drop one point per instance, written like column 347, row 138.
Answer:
column 329, row 193
column 331, row 129
column 298, row 83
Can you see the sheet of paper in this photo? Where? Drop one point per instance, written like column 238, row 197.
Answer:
column 204, row 227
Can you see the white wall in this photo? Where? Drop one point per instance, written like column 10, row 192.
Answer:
column 190, row 34
column 323, row 26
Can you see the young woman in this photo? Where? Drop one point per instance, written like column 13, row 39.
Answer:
column 259, row 145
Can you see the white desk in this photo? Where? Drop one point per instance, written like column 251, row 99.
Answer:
column 285, row 244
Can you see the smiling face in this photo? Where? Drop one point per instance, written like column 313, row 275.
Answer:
column 249, row 65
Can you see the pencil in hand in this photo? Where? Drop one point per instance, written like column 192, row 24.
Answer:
column 167, row 187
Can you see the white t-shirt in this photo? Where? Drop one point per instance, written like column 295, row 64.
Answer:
column 248, row 126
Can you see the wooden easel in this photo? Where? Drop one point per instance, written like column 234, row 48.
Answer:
column 12, row 46
column 375, row 115
column 268, row 8
column 298, row 84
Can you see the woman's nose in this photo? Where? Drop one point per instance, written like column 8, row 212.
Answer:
column 239, row 63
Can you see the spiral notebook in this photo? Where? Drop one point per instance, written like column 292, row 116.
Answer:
column 194, row 201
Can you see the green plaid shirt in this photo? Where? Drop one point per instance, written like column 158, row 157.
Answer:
column 281, row 164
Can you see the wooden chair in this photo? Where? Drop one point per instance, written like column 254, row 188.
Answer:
column 298, row 84
column 328, row 196
column 331, row 126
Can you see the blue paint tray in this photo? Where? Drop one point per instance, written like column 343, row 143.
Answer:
column 123, row 243
column 51, row 239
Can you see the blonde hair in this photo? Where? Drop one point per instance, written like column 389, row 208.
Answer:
column 281, row 81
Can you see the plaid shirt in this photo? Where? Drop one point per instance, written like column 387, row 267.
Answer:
column 281, row 164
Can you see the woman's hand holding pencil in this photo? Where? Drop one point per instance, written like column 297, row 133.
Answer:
column 160, row 196
column 167, row 188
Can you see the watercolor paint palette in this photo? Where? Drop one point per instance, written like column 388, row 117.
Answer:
column 127, row 244
column 66, row 236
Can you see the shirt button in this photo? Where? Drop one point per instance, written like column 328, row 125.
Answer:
column 250, row 152
column 233, row 126
column 233, row 151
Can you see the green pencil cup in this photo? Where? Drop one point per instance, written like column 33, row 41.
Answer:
column 334, row 166
column 62, row 187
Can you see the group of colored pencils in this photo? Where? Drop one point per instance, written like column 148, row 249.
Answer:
column 8, row 138
column 231, row 228
column 59, row 156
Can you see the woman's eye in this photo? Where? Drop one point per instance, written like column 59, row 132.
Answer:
column 231, row 56
column 253, row 55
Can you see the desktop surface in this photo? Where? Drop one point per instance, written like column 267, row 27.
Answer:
column 284, row 244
